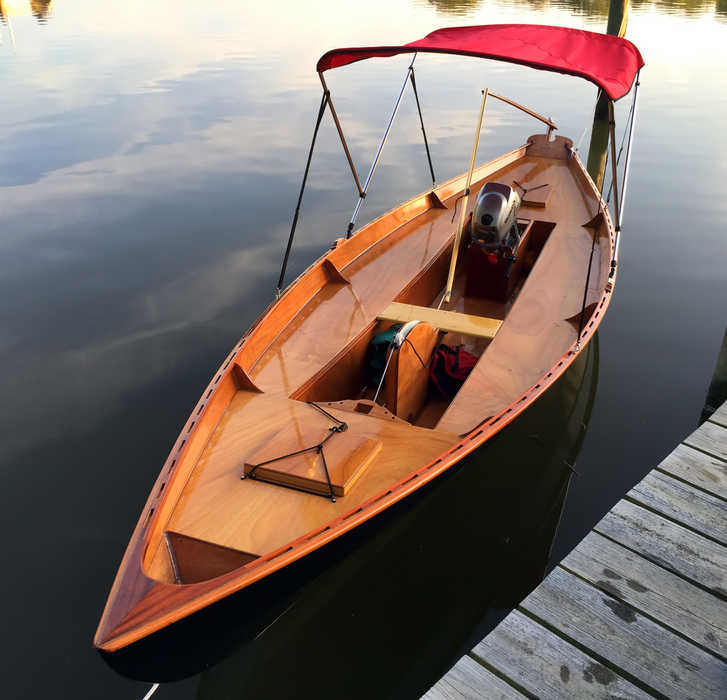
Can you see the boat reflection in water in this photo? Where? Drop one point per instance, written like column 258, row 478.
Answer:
column 402, row 600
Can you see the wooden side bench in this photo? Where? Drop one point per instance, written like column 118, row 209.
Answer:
column 452, row 321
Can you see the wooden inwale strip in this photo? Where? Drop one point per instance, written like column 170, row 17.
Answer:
column 470, row 680
column 698, row 469
column 658, row 593
column 661, row 660
column 667, row 544
column 678, row 501
column 546, row 665
column 710, row 438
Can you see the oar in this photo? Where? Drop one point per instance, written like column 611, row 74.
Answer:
column 463, row 213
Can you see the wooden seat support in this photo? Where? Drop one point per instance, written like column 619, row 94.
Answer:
column 453, row 321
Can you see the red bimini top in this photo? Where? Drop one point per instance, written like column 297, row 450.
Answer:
column 608, row 61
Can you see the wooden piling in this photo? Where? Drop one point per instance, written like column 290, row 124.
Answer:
column 618, row 17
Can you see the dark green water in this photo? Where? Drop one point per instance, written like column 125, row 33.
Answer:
column 150, row 156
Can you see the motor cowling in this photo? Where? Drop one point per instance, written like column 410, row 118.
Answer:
column 494, row 219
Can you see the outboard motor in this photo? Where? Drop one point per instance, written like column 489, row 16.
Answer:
column 494, row 222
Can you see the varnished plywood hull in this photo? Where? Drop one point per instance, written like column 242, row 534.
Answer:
column 306, row 346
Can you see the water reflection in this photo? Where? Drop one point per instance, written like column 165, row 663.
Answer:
column 150, row 159
column 592, row 8
column 688, row 8
column 455, row 7
column 414, row 592
column 40, row 9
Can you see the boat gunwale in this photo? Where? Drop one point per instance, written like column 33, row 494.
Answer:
column 199, row 595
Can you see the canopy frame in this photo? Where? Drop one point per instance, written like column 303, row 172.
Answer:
column 618, row 204
column 325, row 63
column 382, row 143
column 326, row 101
column 608, row 61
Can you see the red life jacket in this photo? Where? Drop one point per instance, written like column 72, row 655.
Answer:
column 449, row 368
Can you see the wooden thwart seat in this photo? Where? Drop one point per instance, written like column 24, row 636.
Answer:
column 452, row 321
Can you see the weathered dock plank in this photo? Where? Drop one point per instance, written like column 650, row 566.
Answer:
column 720, row 416
column 710, row 438
column 547, row 666
column 638, row 608
column 660, row 594
column 667, row 544
column 662, row 661
column 698, row 469
column 465, row 681
column 690, row 507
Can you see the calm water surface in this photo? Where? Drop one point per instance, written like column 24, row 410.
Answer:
column 150, row 155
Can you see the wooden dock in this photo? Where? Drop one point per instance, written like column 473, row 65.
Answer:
column 637, row 609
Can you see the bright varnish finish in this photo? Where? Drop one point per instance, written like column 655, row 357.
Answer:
column 206, row 533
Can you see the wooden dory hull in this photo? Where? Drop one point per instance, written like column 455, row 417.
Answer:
column 281, row 362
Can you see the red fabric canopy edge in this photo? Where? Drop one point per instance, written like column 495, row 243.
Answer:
column 608, row 61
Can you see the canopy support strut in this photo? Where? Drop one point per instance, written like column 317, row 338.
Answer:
column 463, row 213
column 334, row 114
column 362, row 192
column 325, row 100
column 614, row 180
column 421, row 121
column 620, row 210
column 618, row 204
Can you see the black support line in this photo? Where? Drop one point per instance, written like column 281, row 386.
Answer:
column 421, row 121
column 321, row 110
column 339, row 428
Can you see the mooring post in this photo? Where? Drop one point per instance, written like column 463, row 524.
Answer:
column 618, row 15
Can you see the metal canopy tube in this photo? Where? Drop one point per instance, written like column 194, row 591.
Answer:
column 614, row 180
column 628, row 148
column 421, row 121
column 340, row 133
column 463, row 213
column 362, row 193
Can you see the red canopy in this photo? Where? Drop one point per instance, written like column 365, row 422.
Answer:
column 608, row 61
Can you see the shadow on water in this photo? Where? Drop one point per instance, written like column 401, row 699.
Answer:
column 407, row 593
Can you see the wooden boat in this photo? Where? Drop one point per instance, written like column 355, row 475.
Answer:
column 423, row 612
column 291, row 445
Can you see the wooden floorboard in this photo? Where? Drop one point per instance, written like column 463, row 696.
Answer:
column 637, row 609
column 686, row 505
column 667, row 544
column 656, row 592
column 720, row 416
column 611, row 629
column 697, row 469
column 710, row 438
column 547, row 666
column 465, row 681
